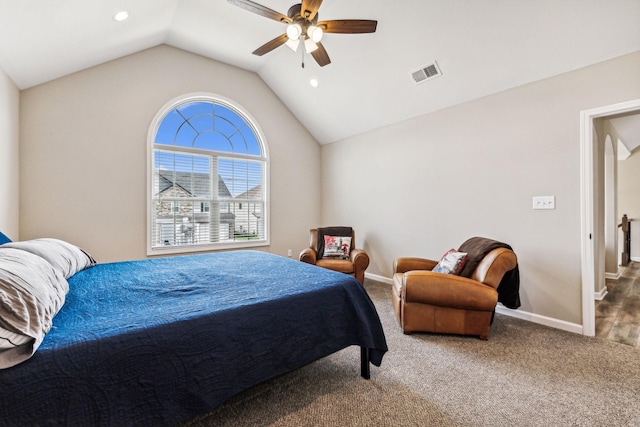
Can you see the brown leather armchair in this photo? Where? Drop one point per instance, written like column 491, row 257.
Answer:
column 426, row 301
column 355, row 265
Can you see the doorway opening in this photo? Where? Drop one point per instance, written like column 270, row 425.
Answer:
column 592, row 207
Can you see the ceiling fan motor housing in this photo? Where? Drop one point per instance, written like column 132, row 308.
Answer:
column 295, row 14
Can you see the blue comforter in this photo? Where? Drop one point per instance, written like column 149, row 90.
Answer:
column 158, row 341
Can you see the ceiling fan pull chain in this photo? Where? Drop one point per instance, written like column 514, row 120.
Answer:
column 302, row 53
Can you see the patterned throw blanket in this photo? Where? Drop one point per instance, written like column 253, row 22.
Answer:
column 477, row 248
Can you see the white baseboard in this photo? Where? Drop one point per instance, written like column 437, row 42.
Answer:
column 613, row 276
column 519, row 314
column 635, row 258
column 379, row 278
column 539, row 319
column 599, row 296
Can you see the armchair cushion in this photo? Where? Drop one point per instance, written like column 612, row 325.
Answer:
column 451, row 262
column 428, row 287
column 336, row 264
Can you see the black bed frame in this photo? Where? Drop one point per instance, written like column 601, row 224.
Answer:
column 365, row 368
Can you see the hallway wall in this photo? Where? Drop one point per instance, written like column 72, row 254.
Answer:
column 629, row 197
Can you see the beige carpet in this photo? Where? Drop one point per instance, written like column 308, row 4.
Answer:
column 524, row 375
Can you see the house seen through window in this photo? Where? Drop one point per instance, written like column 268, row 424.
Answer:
column 208, row 178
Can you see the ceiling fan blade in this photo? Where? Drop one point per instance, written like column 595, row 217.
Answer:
column 349, row 26
column 310, row 8
column 261, row 10
column 270, row 45
column 321, row 56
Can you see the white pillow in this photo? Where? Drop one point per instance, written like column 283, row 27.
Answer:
column 32, row 292
column 68, row 259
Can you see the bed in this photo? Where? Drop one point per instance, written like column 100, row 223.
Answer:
column 159, row 341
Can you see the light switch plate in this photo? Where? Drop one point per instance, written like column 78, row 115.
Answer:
column 544, row 202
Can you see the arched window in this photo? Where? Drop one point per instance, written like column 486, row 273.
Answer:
column 207, row 177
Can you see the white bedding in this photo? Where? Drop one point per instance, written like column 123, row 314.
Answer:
column 33, row 287
column 63, row 256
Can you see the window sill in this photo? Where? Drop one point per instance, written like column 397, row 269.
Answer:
column 174, row 250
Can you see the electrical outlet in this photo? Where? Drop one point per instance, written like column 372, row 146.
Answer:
column 289, row 253
column 544, row 202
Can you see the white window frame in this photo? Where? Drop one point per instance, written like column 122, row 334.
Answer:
column 155, row 124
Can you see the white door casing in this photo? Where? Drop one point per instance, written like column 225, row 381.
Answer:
column 589, row 213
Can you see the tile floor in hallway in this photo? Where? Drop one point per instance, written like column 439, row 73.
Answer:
column 618, row 314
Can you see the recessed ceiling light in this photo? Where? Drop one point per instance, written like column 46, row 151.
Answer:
column 121, row 16
column 314, row 82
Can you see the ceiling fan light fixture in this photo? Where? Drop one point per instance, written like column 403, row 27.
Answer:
column 304, row 25
column 293, row 44
column 309, row 45
column 294, row 31
column 315, row 33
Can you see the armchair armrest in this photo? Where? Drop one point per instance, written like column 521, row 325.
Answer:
column 402, row 265
column 360, row 259
column 309, row 256
column 448, row 290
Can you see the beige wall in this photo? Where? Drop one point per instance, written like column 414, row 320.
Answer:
column 9, row 155
column 420, row 187
column 83, row 151
column 610, row 212
column 600, row 173
column 629, row 197
column 416, row 188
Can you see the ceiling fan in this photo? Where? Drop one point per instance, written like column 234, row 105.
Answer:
column 303, row 27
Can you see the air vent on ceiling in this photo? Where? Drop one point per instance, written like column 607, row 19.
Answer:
column 426, row 73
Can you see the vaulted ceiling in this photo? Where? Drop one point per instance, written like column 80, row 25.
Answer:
column 481, row 46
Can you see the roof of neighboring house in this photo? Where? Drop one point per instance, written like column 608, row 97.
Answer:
column 186, row 181
column 253, row 193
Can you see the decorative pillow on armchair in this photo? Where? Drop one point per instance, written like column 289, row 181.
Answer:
column 451, row 262
column 336, row 247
